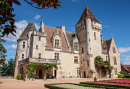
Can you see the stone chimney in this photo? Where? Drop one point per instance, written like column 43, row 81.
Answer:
column 42, row 27
column 101, row 38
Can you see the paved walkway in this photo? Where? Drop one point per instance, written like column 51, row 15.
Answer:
column 38, row 83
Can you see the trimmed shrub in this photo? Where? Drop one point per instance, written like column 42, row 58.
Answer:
column 95, row 79
column 120, row 75
column 19, row 76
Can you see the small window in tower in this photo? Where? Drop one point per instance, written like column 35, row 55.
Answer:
column 39, row 38
column 56, row 43
column 23, row 44
column 36, row 46
column 22, row 56
column 94, row 35
column 39, row 55
column 56, row 56
column 88, row 63
column 82, row 50
column 75, row 59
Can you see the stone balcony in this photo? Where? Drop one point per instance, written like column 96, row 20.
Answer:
column 39, row 60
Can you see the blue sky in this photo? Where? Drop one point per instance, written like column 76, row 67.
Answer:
column 113, row 14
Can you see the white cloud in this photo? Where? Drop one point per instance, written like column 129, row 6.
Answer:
column 37, row 26
column 37, row 17
column 124, row 49
column 14, row 46
column 20, row 25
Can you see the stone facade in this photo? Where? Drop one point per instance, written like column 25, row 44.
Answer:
column 74, row 53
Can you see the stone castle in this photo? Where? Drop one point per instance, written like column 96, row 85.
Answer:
column 74, row 53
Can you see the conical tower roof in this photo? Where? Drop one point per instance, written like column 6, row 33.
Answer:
column 87, row 14
column 30, row 27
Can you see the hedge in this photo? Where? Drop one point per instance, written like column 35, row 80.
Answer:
column 108, row 85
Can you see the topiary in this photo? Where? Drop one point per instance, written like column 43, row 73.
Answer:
column 95, row 79
column 19, row 76
column 120, row 75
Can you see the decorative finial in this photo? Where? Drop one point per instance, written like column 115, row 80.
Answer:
column 30, row 21
column 33, row 21
column 57, row 26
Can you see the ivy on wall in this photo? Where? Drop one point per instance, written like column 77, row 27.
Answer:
column 31, row 68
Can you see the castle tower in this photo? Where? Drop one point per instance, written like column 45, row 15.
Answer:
column 88, row 32
column 23, row 45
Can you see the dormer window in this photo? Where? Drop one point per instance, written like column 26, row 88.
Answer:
column 56, row 43
column 76, row 46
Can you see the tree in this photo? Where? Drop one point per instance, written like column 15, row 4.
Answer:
column 2, row 51
column 7, row 18
column 8, row 68
column 99, row 61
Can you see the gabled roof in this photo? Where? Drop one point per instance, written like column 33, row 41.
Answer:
column 106, row 45
column 30, row 27
column 126, row 67
column 87, row 13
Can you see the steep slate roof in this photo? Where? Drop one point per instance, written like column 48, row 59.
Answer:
column 87, row 13
column 70, row 37
column 49, row 37
column 30, row 27
column 127, row 67
column 106, row 45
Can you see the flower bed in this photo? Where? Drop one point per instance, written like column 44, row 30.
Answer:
column 71, row 86
column 110, row 83
column 127, row 81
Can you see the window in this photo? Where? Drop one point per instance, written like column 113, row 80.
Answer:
column 106, row 58
column 115, row 71
column 76, row 46
column 77, row 71
column 114, row 51
column 23, row 44
column 94, row 35
column 39, row 55
column 39, row 38
column 114, row 58
column 36, row 46
column 82, row 50
column 88, row 63
column 75, row 59
column 22, row 56
column 57, row 56
column 56, row 43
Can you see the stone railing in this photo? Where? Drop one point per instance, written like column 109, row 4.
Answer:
column 39, row 60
